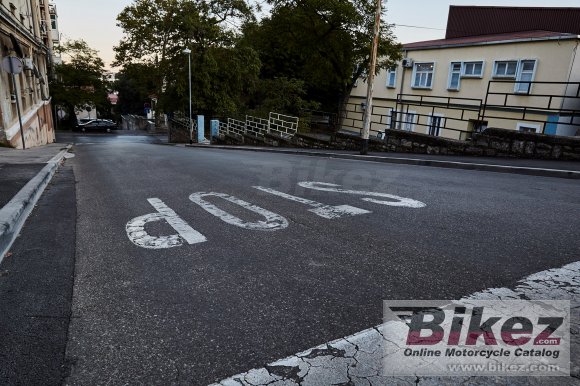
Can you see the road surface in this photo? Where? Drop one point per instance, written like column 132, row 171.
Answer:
column 192, row 265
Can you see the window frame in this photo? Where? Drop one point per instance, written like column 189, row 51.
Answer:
column 405, row 123
column 439, row 128
column 519, row 125
column 389, row 72
column 451, row 72
column 519, row 72
column 430, row 86
column 393, row 124
column 478, row 76
column 495, row 74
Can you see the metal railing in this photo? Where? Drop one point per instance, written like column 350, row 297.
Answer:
column 548, row 105
column 398, row 114
column 179, row 129
column 561, row 107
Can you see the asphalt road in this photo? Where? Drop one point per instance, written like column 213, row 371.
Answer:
column 36, row 283
column 200, row 312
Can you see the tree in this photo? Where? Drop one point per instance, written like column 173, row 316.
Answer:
column 325, row 44
column 157, row 31
column 135, row 86
column 79, row 81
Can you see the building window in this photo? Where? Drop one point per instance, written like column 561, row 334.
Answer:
column 435, row 123
column 423, row 75
column 505, row 69
column 53, row 22
column 528, row 128
column 474, row 69
column 393, row 124
column 476, row 125
column 526, row 71
column 409, row 123
column 454, row 76
column 392, row 78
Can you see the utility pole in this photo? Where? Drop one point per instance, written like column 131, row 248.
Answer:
column 370, row 81
column 187, row 51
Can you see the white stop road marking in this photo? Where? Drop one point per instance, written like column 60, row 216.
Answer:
column 398, row 201
column 325, row 211
column 273, row 221
column 139, row 236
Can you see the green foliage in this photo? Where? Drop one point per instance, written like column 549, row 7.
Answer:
column 306, row 55
column 281, row 95
column 157, row 32
column 326, row 44
column 135, row 86
column 79, row 81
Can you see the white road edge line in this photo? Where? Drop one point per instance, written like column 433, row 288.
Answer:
column 358, row 358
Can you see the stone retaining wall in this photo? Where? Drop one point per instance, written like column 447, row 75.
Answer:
column 491, row 143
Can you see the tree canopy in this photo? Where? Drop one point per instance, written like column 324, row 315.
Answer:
column 326, row 44
column 79, row 82
column 157, row 32
column 304, row 54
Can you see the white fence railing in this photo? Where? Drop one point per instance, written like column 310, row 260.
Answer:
column 256, row 125
column 283, row 125
column 236, row 127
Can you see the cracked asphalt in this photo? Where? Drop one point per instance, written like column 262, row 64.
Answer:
column 243, row 299
column 358, row 359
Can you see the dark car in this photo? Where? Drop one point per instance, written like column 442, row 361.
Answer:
column 97, row 125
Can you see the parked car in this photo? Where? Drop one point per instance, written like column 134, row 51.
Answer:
column 85, row 120
column 97, row 125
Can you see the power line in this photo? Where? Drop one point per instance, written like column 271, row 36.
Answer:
column 416, row 26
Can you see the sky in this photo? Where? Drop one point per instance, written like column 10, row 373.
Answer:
column 95, row 21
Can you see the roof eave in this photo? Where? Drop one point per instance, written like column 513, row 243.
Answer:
column 525, row 40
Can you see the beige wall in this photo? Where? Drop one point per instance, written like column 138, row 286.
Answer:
column 555, row 61
column 23, row 22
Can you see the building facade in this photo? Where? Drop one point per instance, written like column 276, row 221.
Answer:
column 26, row 33
column 526, row 80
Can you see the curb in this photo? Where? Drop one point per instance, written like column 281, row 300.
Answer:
column 14, row 214
column 530, row 171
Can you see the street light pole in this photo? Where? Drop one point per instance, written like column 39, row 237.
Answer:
column 370, row 82
column 187, row 51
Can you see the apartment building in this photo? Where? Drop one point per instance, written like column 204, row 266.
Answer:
column 504, row 67
column 26, row 33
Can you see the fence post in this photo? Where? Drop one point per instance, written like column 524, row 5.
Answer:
column 200, row 128
column 215, row 129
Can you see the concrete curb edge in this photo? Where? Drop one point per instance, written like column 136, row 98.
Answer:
column 14, row 214
column 570, row 174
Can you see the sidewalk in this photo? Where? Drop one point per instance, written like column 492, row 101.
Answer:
column 23, row 176
column 546, row 168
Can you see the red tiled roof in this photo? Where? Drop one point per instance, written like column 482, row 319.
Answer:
column 498, row 38
column 482, row 20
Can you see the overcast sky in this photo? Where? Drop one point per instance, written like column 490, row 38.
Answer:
column 95, row 21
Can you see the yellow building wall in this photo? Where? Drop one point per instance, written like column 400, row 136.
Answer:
column 555, row 62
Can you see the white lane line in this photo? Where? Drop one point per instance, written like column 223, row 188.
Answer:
column 273, row 221
column 395, row 200
column 138, row 235
column 358, row 358
column 325, row 211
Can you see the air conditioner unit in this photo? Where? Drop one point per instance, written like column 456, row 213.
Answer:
column 407, row 63
column 28, row 64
